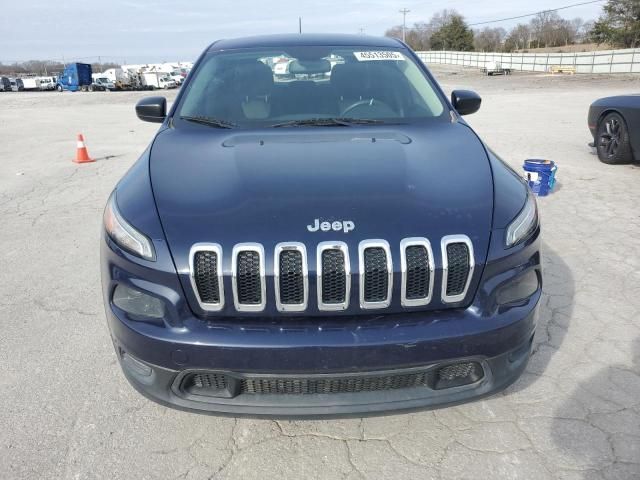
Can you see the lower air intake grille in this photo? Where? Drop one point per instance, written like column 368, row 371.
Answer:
column 205, row 264
column 376, row 275
column 418, row 274
column 249, row 281
column 334, row 278
column 291, row 278
column 458, row 370
column 458, row 268
column 205, row 384
column 301, row 386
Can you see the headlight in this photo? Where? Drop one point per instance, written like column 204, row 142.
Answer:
column 124, row 234
column 524, row 224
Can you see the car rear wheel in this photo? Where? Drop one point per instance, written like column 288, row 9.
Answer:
column 612, row 141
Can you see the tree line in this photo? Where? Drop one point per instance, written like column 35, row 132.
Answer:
column 618, row 26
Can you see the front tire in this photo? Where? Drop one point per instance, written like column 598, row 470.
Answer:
column 59, row 88
column 612, row 140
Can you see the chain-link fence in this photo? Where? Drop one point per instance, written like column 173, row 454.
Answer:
column 604, row 61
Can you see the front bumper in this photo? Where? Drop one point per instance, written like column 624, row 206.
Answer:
column 501, row 344
column 157, row 357
column 164, row 386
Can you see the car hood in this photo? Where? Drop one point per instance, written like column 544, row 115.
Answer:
column 228, row 187
column 630, row 100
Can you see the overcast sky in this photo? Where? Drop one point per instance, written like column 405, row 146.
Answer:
column 139, row 31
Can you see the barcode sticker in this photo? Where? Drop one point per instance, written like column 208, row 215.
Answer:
column 378, row 55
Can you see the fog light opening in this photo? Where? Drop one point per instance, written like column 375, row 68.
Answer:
column 135, row 366
column 139, row 305
column 519, row 289
column 457, row 375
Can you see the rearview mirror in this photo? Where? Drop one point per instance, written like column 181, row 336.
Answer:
column 152, row 109
column 465, row 102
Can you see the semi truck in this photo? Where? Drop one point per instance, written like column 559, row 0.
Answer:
column 76, row 76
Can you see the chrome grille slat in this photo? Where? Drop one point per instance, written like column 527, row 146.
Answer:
column 333, row 276
column 291, row 277
column 206, row 275
column 457, row 267
column 248, row 272
column 376, row 274
column 418, row 272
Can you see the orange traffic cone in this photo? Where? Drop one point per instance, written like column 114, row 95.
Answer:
column 82, row 156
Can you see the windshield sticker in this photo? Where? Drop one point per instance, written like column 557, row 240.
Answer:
column 380, row 55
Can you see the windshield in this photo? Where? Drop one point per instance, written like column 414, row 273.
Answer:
column 273, row 86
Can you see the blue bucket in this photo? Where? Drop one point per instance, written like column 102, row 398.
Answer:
column 541, row 175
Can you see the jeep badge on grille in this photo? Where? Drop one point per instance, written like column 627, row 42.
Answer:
column 345, row 225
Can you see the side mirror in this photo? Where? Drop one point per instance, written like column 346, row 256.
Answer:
column 465, row 102
column 152, row 109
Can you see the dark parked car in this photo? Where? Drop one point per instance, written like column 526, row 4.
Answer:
column 5, row 84
column 615, row 125
column 337, row 243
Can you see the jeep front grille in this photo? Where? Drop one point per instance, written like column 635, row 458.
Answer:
column 333, row 274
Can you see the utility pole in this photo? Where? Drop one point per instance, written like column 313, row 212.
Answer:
column 361, row 31
column 404, row 12
column 299, row 24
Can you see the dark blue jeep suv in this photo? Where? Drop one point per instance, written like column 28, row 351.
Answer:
column 315, row 230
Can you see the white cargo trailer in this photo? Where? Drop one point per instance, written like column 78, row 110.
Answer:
column 157, row 80
column 30, row 83
column 115, row 75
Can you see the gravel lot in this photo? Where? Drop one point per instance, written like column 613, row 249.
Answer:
column 67, row 411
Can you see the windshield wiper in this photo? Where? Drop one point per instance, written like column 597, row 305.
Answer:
column 328, row 122
column 210, row 121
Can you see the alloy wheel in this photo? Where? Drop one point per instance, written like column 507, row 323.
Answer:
column 610, row 137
